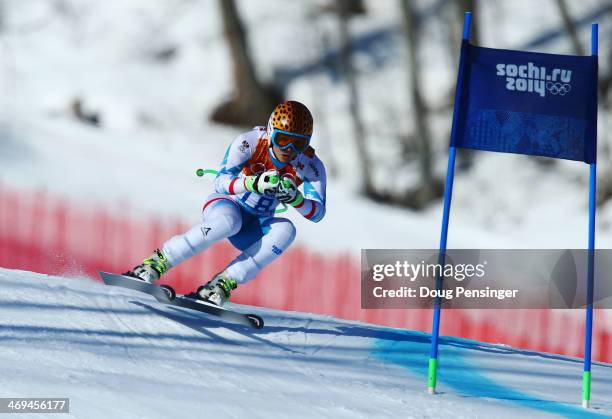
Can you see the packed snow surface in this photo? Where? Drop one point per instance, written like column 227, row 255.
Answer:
column 119, row 353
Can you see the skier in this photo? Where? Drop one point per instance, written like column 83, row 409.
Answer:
column 261, row 168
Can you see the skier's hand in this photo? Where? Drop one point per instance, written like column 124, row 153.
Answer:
column 288, row 193
column 265, row 183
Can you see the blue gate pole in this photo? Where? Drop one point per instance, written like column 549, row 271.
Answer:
column 588, row 333
column 448, row 192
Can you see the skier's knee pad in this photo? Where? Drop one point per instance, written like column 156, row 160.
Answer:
column 225, row 214
column 232, row 221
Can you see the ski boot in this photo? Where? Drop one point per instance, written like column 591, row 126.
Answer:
column 151, row 268
column 216, row 291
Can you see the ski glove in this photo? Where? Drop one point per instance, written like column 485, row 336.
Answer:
column 288, row 193
column 265, row 183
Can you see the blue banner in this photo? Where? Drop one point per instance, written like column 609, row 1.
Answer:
column 527, row 103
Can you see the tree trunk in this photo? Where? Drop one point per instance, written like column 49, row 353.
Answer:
column 570, row 27
column 429, row 188
column 347, row 67
column 252, row 102
column 423, row 134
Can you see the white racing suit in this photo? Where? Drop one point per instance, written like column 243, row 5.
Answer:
column 247, row 219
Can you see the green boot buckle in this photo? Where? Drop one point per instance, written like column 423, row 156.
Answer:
column 228, row 284
column 159, row 265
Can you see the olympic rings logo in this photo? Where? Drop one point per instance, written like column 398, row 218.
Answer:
column 557, row 88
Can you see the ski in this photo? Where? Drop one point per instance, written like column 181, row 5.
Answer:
column 165, row 294
column 252, row 320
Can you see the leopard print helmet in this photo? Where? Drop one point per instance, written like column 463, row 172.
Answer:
column 291, row 116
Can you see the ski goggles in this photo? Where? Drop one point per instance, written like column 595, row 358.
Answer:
column 285, row 139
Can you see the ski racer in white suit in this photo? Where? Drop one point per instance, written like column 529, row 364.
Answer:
column 261, row 169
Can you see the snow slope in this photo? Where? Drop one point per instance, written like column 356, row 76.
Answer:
column 155, row 129
column 116, row 353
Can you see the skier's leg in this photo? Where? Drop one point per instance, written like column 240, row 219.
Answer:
column 269, row 240
column 278, row 234
column 221, row 218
